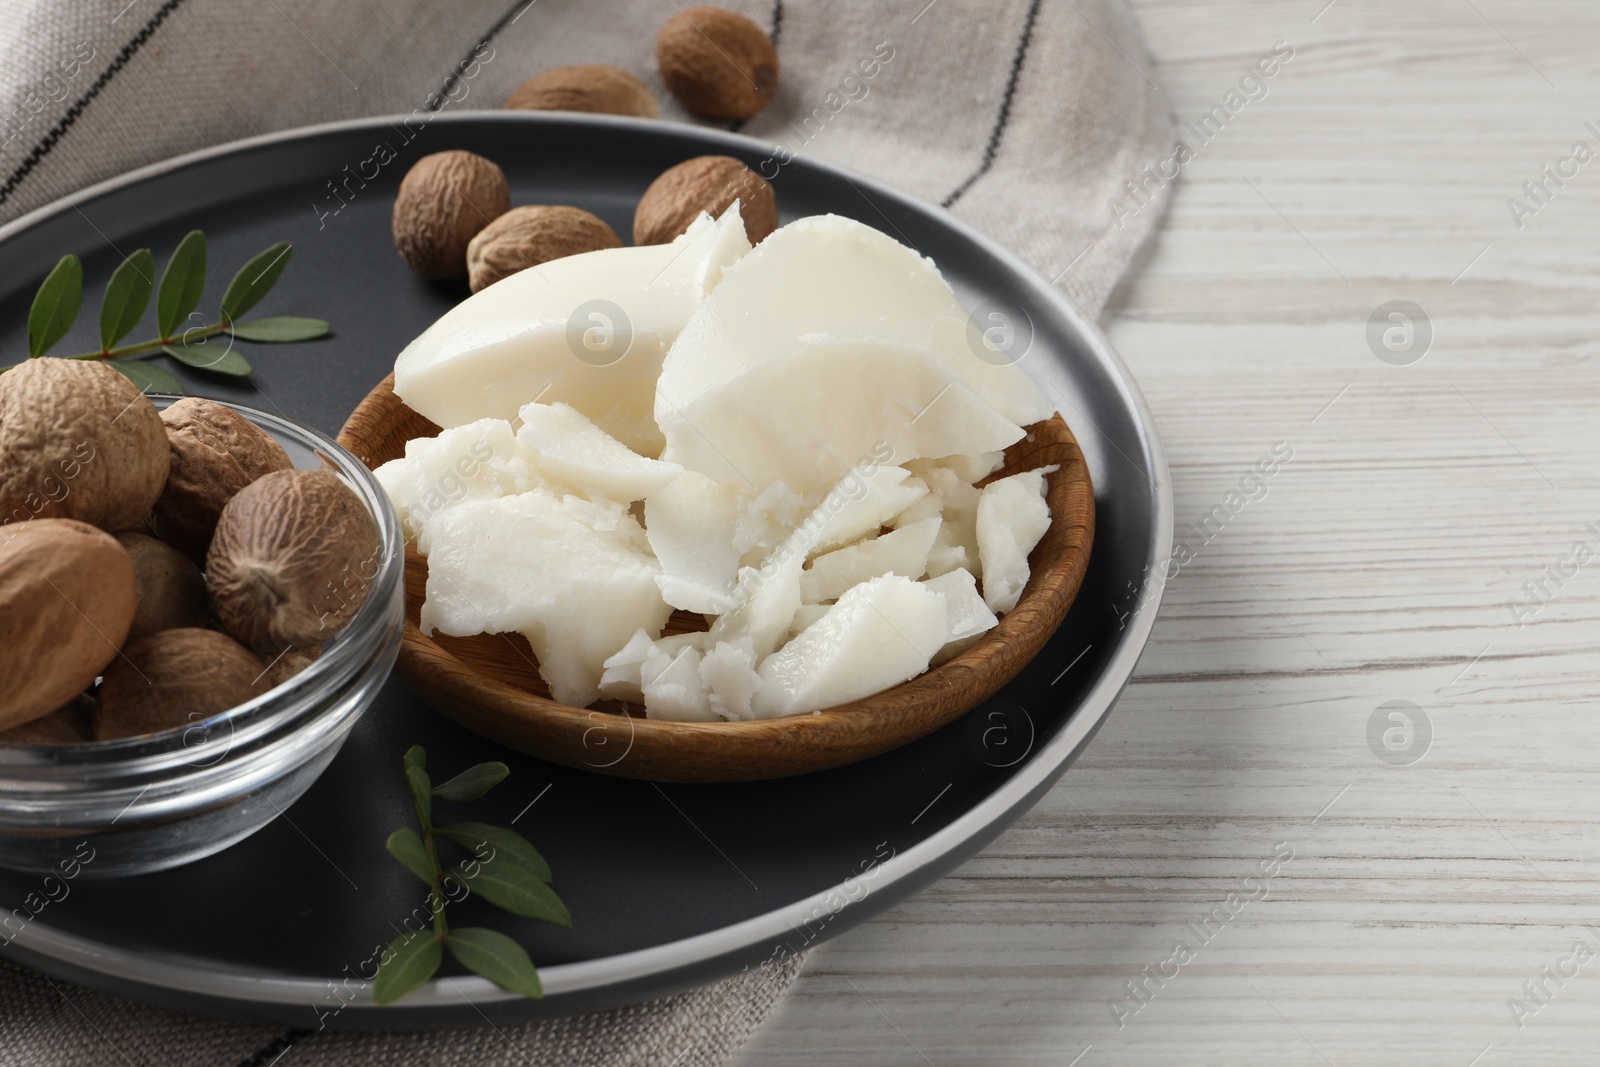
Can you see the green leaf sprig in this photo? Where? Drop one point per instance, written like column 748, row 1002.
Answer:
column 504, row 869
column 127, row 297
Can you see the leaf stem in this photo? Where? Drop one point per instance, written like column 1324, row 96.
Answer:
column 150, row 346
column 436, row 894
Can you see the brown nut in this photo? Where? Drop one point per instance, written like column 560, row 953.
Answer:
column 444, row 200
column 67, row 598
column 599, row 90
column 291, row 561
column 707, row 184
column 78, row 441
column 527, row 236
column 215, row 453
column 69, row 724
column 175, row 678
column 290, row 664
column 172, row 591
column 718, row 63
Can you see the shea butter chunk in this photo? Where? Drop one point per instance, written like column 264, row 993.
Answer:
column 1012, row 517
column 879, row 634
column 574, row 576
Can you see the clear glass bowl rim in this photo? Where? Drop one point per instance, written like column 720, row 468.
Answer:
column 57, row 768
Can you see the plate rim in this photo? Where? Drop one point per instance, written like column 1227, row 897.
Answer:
column 619, row 971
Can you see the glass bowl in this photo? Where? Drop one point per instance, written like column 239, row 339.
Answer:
column 159, row 800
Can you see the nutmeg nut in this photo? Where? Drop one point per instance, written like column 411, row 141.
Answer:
column 444, row 200
column 171, row 589
column 78, row 441
column 707, row 184
column 175, row 678
column 215, row 453
column 67, row 597
column 718, row 63
column 595, row 89
column 527, row 236
column 71, row 723
column 290, row 664
column 291, row 561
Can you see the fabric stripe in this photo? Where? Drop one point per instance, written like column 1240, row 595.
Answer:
column 66, row 121
column 436, row 101
column 777, row 22
column 272, row 1050
column 1005, row 108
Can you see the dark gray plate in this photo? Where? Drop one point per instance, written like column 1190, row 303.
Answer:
column 669, row 886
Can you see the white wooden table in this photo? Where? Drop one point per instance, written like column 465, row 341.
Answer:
column 1382, row 565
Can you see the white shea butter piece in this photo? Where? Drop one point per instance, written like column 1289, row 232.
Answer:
column 829, row 275
column 766, row 520
column 928, row 507
column 588, row 330
column 729, row 674
column 824, row 406
column 966, row 613
column 574, row 576
column 966, row 469
column 766, row 597
column 482, row 460
column 672, row 687
column 805, row 615
column 620, row 679
column 903, row 552
column 1012, row 516
column 624, row 674
column 690, row 523
column 571, row 447
column 957, row 543
column 862, row 501
column 879, row 634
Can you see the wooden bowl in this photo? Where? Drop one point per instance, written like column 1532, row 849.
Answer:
column 490, row 683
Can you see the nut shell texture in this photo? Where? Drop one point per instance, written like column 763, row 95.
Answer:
column 718, row 63
column 444, row 200
column 598, row 90
column 290, row 664
column 527, row 236
column 78, row 441
column 67, row 598
column 69, row 724
column 172, row 591
column 706, row 183
column 175, row 678
column 292, row 560
column 215, row 453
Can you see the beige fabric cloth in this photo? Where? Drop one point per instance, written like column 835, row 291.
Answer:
column 45, row 1022
column 94, row 87
column 1028, row 118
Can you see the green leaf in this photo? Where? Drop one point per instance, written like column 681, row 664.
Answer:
column 421, row 790
column 127, row 295
column 473, row 782
column 212, row 354
column 181, row 283
column 515, row 888
column 407, row 847
column 416, row 756
column 55, row 306
column 412, row 960
column 507, row 844
column 254, row 280
column 497, row 958
column 281, row 329
column 149, row 377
